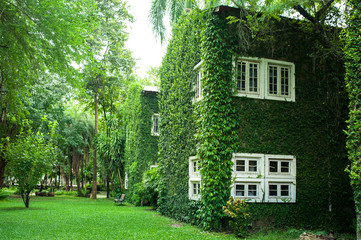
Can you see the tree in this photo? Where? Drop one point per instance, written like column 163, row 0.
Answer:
column 37, row 37
column 29, row 158
column 110, row 65
column 352, row 37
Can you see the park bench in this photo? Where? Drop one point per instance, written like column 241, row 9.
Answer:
column 120, row 200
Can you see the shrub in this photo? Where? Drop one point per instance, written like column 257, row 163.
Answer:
column 238, row 212
column 146, row 192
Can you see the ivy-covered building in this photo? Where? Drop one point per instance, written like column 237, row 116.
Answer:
column 141, row 120
column 258, row 118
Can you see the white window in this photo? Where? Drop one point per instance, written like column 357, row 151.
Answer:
column 198, row 82
column 264, row 177
column 279, row 81
column 246, row 190
column 193, row 167
column 155, row 125
column 247, row 165
column 247, row 77
column 257, row 178
column 195, row 190
column 265, row 79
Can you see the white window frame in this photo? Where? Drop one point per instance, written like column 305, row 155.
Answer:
column 248, row 157
column 263, row 177
column 260, row 86
column 155, row 123
column 291, row 88
column 191, row 193
column 198, row 92
column 192, row 161
column 264, row 79
column 246, row 182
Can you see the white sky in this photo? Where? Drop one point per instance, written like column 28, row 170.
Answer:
column 146, row 49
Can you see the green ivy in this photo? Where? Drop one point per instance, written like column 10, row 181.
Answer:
column 215, row 120
column 176, row 142
column 310, row 128
column 141, row 149
column 352, row 49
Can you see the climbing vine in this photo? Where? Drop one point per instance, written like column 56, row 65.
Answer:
column 141, row 147
column 215, row 120
column 352, row 38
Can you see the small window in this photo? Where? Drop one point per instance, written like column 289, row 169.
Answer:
column 246, row 165
column 279, row 166
column 196, row 188
column 279, row 190
column 246, row 190
column 155, row 125
column 195, row 166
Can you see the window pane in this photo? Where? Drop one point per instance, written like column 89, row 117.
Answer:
column 285, row 81
column 194, row 188
column 252, row 166
column 273, row 166
column 195, row 167
column 240, row 190
column 285, row 190
column 240, row 165
column 272, row 77
column 241, row 76
column 253, row 76
column 285, row 167
column 199, row 188
column 252, row 190
column 273, row 190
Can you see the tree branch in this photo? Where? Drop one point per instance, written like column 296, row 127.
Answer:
column 304, row 13
column 323, row 9
column 21, row 10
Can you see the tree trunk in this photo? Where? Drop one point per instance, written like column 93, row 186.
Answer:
column 26, row 198
column 2, row 171
column 108, row 189
column 94, row 188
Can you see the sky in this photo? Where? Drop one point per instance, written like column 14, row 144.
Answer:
column 146, row 49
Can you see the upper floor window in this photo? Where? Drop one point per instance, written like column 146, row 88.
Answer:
column 198, row 82
column 155, row 124
column 265, row 79
column 247, row 77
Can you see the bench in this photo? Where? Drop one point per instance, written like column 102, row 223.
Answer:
column 120, row 200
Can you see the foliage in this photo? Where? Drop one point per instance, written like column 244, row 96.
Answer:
column 352, row 50
column 141, row 148
column 29, row 158
column 311, row 128
column 216, row 120
column 146, row 192
column 176, row 140
column 238, row 212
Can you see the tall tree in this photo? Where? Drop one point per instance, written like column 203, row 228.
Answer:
column 111, row 62
column 37, row 37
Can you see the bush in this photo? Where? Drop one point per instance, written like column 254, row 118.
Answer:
column 4, row 194
column 238, row 212
column 146, row 192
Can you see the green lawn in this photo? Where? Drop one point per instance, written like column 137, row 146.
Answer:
column 68, row 217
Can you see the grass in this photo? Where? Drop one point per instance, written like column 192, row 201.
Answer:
column 68, row 217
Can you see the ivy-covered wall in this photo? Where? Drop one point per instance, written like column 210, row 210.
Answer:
column 176, row 142
column 311, row 128
column 141, row 148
